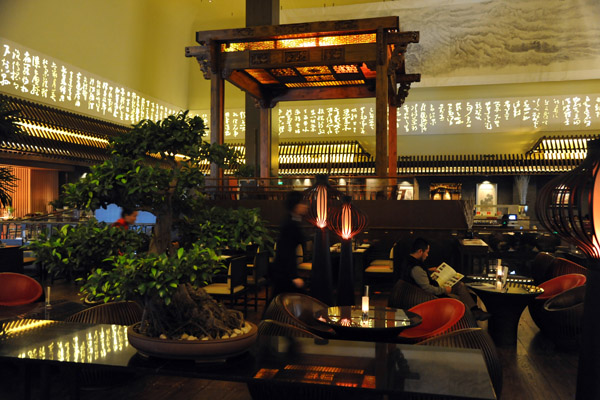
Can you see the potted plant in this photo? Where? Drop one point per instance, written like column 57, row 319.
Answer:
column 74, row 251
column 8, row 128
column 156, row 167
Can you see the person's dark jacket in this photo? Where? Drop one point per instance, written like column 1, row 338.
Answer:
column 285, row 266
column 419, row 276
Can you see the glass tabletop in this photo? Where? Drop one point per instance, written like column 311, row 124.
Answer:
column 377, row 319
column 335, row 364
column 509, row 288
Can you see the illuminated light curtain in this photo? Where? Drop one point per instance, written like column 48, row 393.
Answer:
column 569, row 206
column 346, row 221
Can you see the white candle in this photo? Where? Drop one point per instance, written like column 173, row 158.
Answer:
column 365, row 304
column 499, row 278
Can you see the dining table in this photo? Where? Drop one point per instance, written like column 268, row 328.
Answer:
column 378, row 323
column 506, row 305
column 349, row 369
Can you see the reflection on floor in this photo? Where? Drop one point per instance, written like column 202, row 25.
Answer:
column 534, row 369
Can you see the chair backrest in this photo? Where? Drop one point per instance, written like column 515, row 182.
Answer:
column 473, row 338
column 439, row 316
column 261, row 265
column 17, row 289
column 237, row 275
column 251, row 251
column 119, row 313
column 406, row 295
column 559, row 284
column 567, row 299
column 268, row 327
column 562, row 266
column 540, row 266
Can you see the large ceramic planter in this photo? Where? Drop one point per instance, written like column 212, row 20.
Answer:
column 218, row 349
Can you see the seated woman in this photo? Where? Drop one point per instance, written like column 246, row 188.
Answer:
column 419, row 276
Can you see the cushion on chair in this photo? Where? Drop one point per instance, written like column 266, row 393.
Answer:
column 439, row 316
column 560, row 284
column 221, row 288
column 306, row 266
column 380, row 269
column 17, row 289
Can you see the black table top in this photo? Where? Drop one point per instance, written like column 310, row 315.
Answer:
column 343, row 365
column 379, row 319
column 509, row 289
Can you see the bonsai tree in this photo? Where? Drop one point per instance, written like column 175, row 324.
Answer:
column 156, row 167
column 8, row 128
column 75, row 250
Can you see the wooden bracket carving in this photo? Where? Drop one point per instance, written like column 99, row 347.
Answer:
column 204, row 65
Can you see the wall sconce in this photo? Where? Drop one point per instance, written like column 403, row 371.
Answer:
column 346, row 221
column 569, row 205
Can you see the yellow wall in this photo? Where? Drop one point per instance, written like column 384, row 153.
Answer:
column 140, row 44
column 137, row 43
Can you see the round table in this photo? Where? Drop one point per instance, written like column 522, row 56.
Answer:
column 380, row 323
column 506, row 306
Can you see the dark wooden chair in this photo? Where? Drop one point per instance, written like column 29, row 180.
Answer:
column 561, row 318
column 118, row 313
column 405, row 295
column 258, row 279
column 541, row 265
column 439, row 316
column 18, row 289
column 235, row 286
column 298, row 310
column 562, row 266
column 473, row 338
column 268, row 327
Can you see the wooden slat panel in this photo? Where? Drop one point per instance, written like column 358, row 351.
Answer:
column 44, row 188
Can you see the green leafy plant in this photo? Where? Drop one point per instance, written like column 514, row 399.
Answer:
column 167, row 287
column 234, row 229
column 156, row 167
column 8, row 129
column 75, row 250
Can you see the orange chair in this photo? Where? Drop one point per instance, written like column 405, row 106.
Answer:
column 553, row 287
column 17, row 289
column 559, row 284
column 439, row 316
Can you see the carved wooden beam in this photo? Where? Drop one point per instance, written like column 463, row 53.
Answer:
column 308, row 29
column 323, row 93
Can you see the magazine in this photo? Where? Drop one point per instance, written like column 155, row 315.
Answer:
column 445, row 275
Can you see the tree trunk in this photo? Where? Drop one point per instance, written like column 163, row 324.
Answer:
column 161, row 235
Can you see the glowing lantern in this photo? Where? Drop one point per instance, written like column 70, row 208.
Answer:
column 569, row 205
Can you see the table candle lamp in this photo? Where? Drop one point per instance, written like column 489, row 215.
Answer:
column 365, row 304
column 569, row 206
column 346, row 221
column 321, row 198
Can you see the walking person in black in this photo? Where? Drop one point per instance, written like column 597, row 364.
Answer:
column 285, row 270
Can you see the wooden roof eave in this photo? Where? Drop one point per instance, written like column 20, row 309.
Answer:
column 299, row 30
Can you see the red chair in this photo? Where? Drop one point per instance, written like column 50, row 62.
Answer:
column 439, row 316
column 552, row 288
column 560, row 284
column 17, row 289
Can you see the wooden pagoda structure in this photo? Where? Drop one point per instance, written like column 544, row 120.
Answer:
column 310, row 61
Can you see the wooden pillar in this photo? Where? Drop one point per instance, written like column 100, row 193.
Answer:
column 393, row 151
column 381, row 103
column 267, row 144
column 393, row 141
column 217, row 106
column 259, row 12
